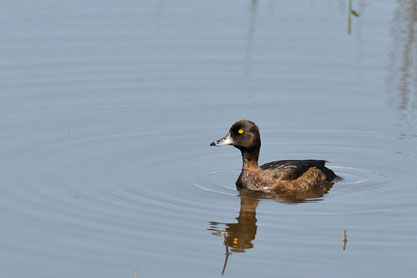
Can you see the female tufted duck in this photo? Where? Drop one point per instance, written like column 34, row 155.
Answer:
column 284, row 176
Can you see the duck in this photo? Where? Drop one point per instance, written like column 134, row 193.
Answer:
column 283, row 176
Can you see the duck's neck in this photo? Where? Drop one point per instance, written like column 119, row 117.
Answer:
column 250, row 158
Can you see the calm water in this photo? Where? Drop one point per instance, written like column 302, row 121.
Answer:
column 108, row 109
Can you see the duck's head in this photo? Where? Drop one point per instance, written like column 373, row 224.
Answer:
column 243, row 135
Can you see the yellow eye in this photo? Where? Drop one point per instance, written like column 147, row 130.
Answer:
column 240, row 131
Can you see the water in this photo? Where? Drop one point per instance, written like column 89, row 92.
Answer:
column 108, row 109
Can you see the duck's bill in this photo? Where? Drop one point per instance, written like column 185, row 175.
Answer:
column 226, row 140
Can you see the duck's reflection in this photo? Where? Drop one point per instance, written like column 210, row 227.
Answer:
column 239, row 236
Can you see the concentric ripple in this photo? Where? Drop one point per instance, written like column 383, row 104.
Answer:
column 217, row 182
column 345, row 151
column 82, row 183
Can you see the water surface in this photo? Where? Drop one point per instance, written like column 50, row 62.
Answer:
column 108, row 110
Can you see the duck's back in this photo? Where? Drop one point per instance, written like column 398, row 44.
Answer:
column 293, row 169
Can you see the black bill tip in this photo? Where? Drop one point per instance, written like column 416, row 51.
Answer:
column 213, row 144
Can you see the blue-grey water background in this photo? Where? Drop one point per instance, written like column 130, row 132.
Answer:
column 108, row 108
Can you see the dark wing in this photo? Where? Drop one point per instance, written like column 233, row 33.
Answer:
column 292, row 169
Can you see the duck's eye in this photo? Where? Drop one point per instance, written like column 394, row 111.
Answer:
column 240, row 131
